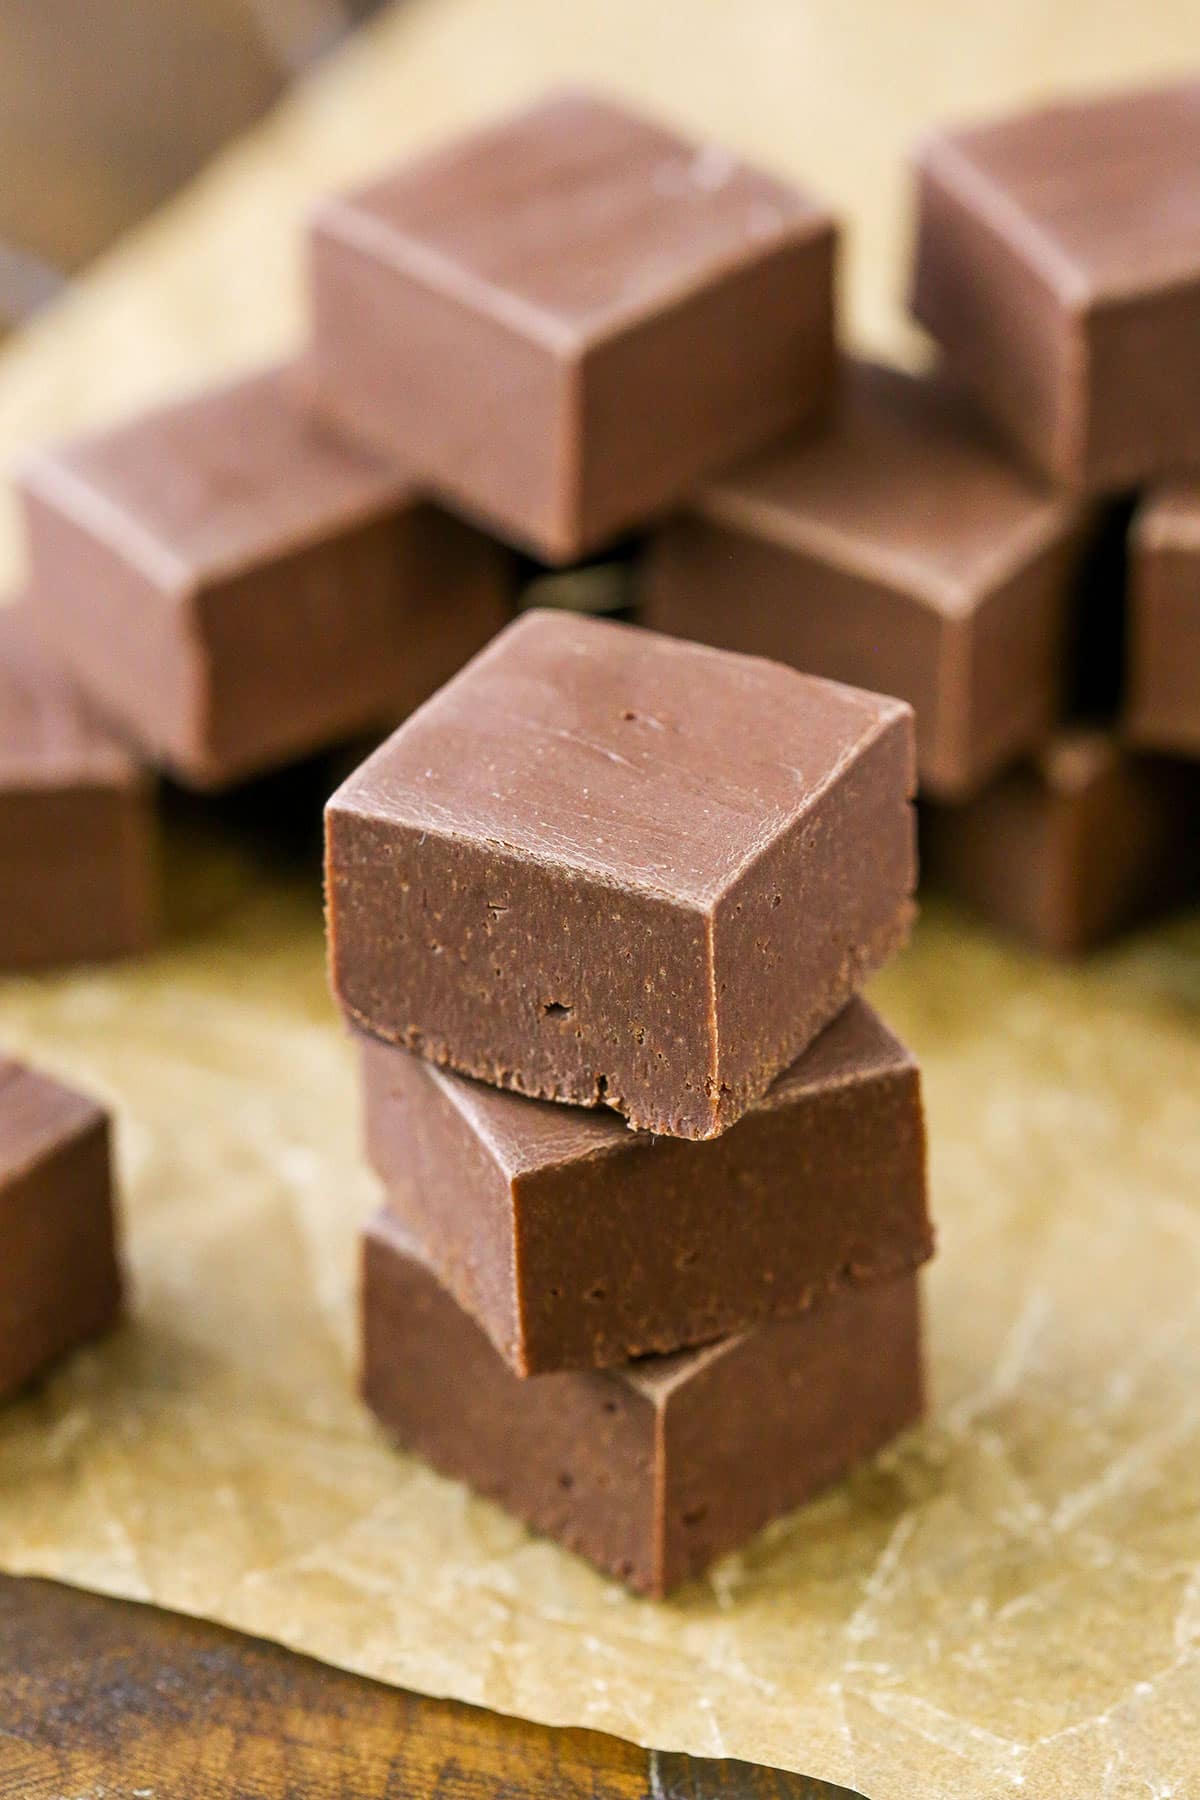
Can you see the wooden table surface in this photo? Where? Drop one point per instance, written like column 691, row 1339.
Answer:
column 103, row 1698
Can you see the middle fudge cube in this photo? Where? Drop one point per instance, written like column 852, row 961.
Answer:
column 603, row 866
column 576, row 1243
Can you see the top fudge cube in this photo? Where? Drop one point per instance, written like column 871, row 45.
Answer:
column 565, row 318
column 603, row 866
column 1058, row 264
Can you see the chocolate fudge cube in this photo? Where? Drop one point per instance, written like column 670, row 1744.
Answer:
column 603, row 866
column 1058, row 266
column 238, row 586
column 78, row 838
column 576, row 1243
column 1163, row 697
column 1074, row 845
column 654, row 1469
column 59, row 1279
column 905, row 552
column 562, row 319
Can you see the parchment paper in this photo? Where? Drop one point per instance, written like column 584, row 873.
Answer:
column 1008, row 1602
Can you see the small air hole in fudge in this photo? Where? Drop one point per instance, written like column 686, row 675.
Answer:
column 556, row 1009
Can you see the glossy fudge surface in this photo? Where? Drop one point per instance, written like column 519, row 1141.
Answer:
column 1073, row 845
column 1163, row 697
column 577, row 1243
column 59, row 1280
column 238, row 586
column 524, row 313
column 653, row 1470
column 903, row 551
column 603, row 866
column 78, row 840
column 1058, row 265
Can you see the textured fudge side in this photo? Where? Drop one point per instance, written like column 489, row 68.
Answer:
column 59, row 1279
column 238, row 586
column 576, row 1243
column 78, row 838
column 1058, row 265
column 1075, row 845
column 1163, row 697
column 605, row 866
column 654, row 1470
column 521, row 315
column 903, row 551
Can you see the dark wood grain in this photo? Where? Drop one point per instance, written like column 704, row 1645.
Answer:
column 101, row 1697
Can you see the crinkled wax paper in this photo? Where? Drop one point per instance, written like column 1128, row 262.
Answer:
column 1010, row 1601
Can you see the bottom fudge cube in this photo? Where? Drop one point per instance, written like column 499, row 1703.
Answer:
column 652, row 1470
column 1079, row 843
column 59, row 1278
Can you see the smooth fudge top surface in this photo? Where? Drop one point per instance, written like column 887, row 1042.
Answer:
column 49, row 735
column 909, row 487
column 38, row 1116
column 629, row 758
column 572, row 217
column 1101, row 193
column 524, row 1136
column 218, row 482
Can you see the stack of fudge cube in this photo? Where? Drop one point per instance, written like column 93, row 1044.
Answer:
column 601, row 910
column 655, row 1174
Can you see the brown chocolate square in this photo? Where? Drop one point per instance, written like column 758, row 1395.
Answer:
column 654, row 1469
column 563, row 319
column 239, row 586
column 59, row 1279
column 604, row 866
column 1073, row 845
column 903, row 551
column 1058, row 265
column 78, row 839
column 577, row 1243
